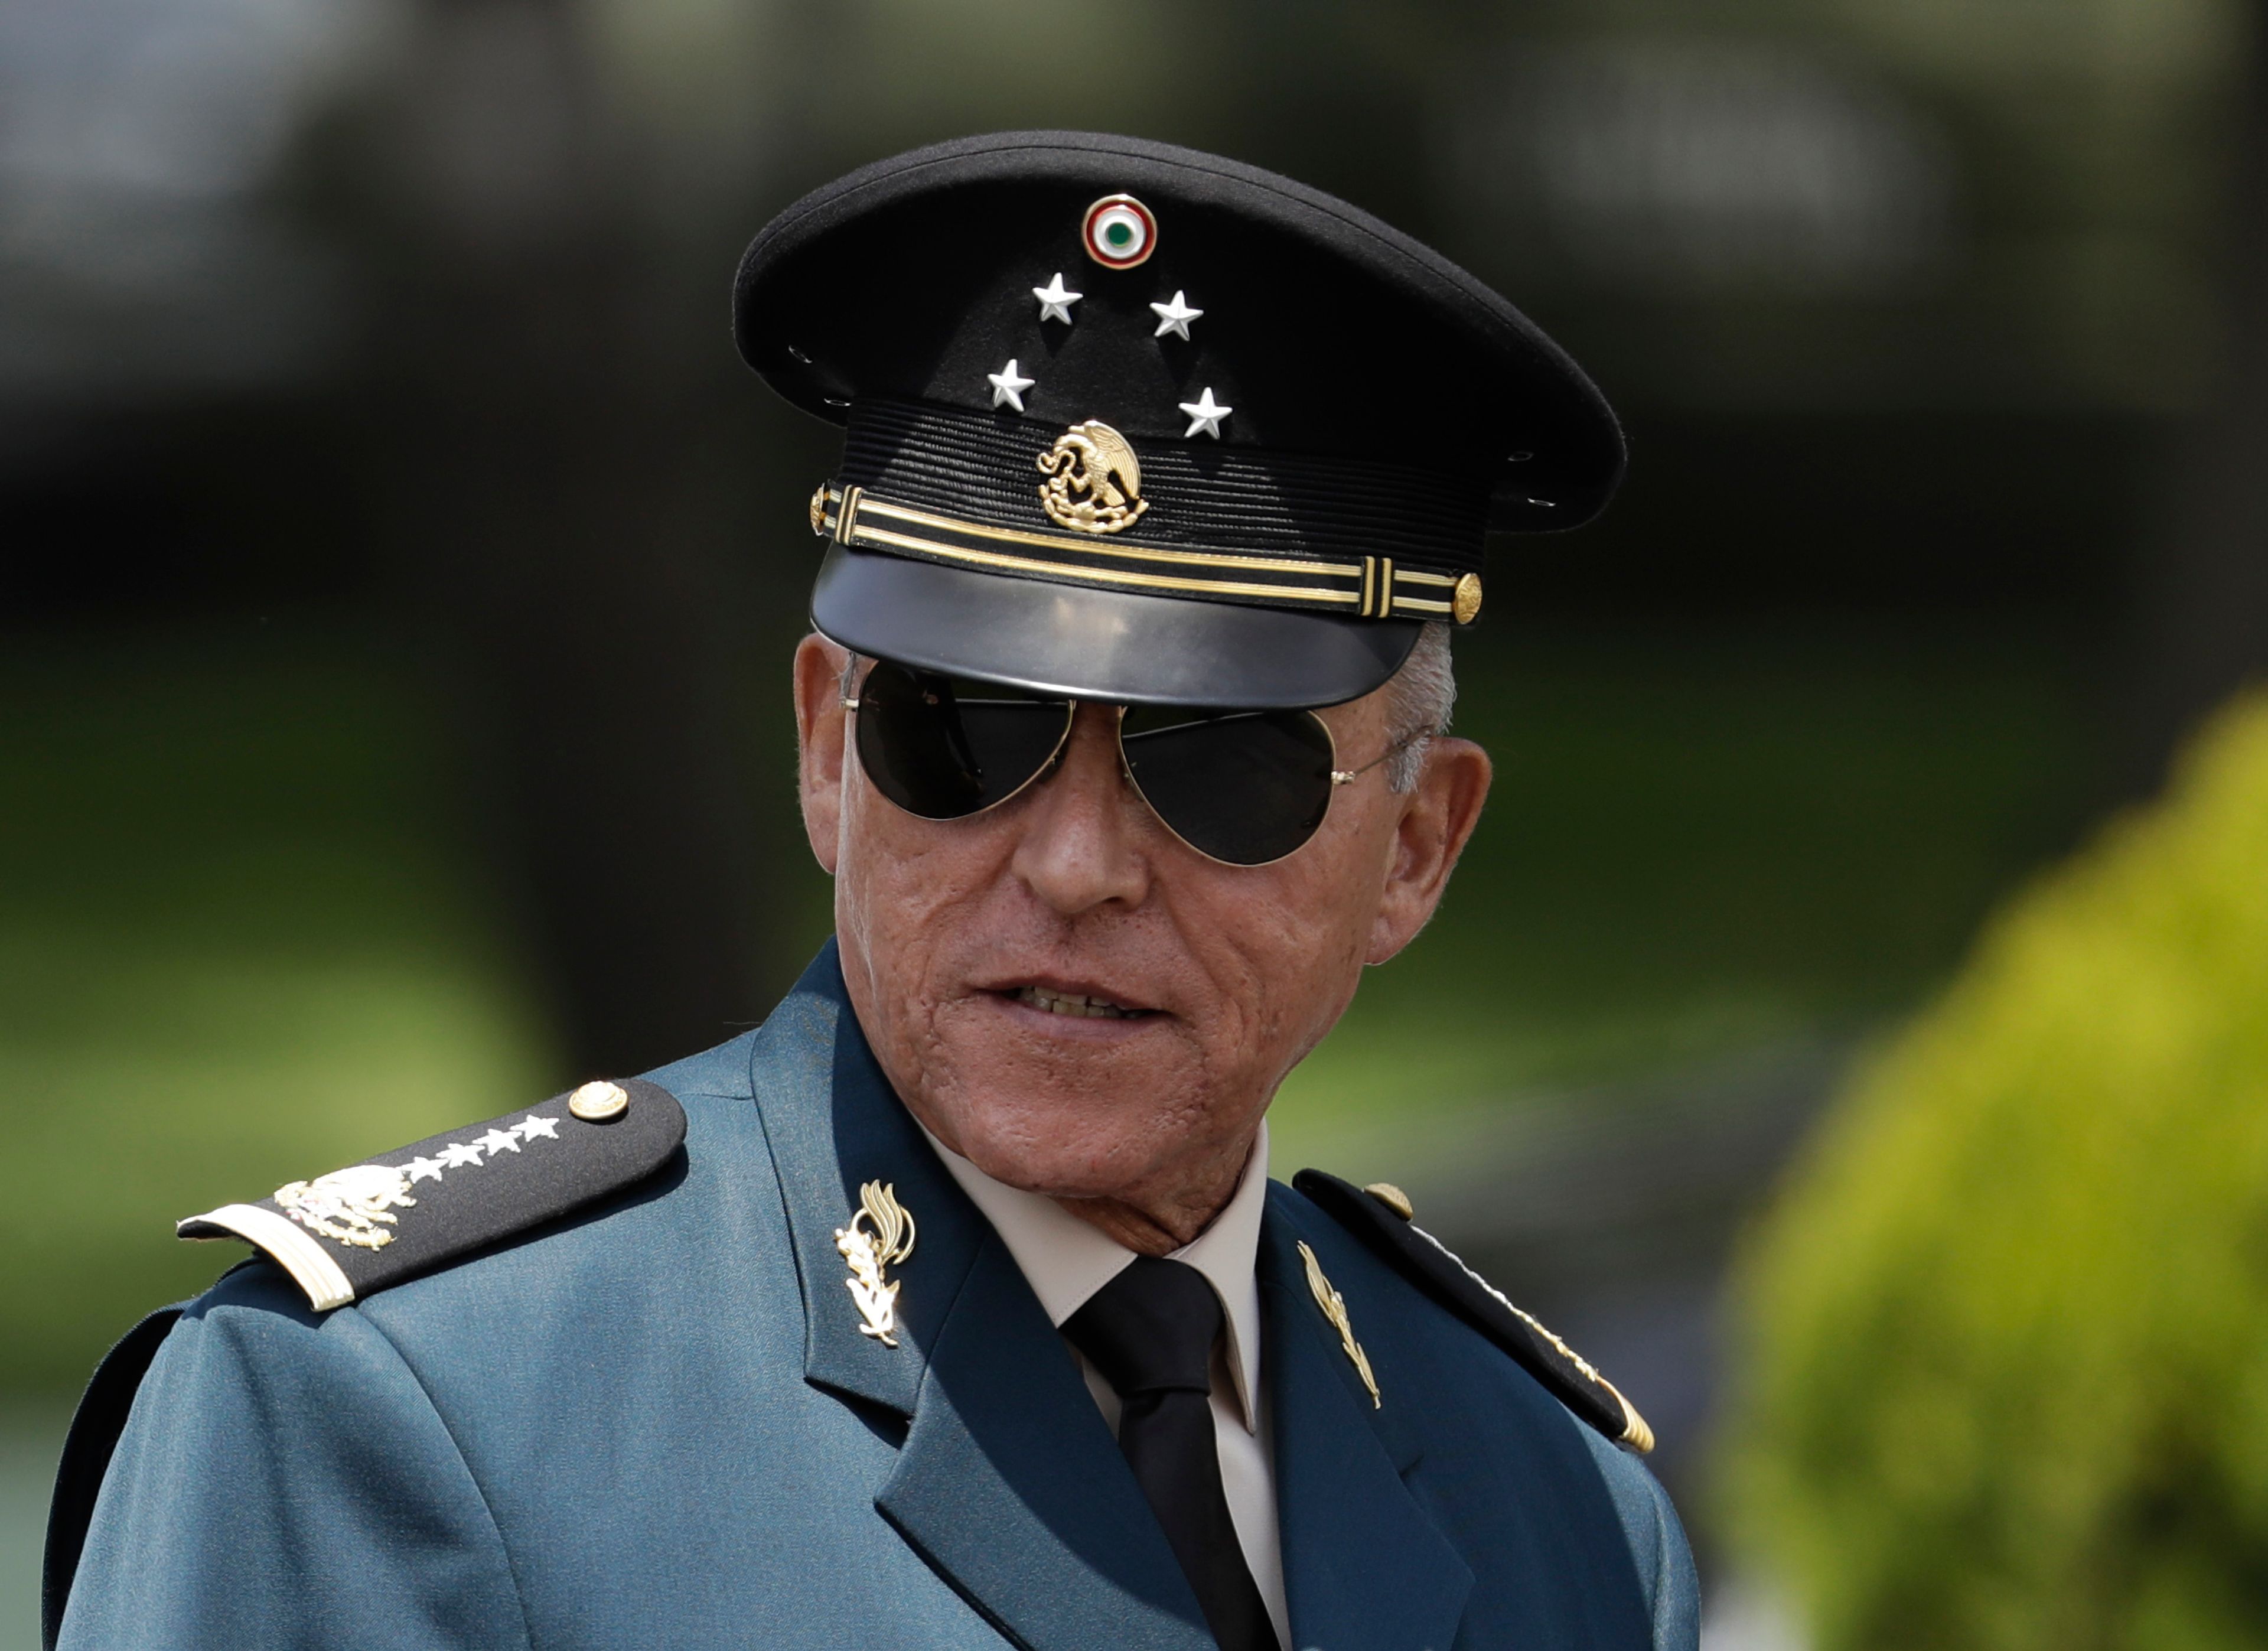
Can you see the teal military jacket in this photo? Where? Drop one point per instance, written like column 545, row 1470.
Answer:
column 659, row 1423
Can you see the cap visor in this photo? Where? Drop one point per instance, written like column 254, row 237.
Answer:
column 1110, row 645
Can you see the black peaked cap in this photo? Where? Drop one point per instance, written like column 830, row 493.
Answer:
column 1384, row 409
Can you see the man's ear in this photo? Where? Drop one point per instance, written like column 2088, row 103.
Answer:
column 822, row 733
column 1436, row 820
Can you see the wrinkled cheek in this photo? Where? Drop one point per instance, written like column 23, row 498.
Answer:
column 1238, row 1051
column 884, row 889
column 1282, row 1013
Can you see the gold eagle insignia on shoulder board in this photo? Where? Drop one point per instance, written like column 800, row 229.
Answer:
column 354, row 1205
column 389, row 1219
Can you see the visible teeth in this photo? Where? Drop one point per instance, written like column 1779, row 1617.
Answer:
column 1072, row 1003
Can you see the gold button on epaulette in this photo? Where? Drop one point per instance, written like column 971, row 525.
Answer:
column 599, row 1103
column 1393, row 1198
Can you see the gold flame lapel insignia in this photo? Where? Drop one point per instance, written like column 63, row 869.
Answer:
column 350, row 1207
column 1095, row 481
column 1333, row 1305
column 869, row 1250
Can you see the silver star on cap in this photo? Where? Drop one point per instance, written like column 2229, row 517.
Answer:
column 1205, row 415
column 1175, row 317
column 1055, row 300
column 1008, row 386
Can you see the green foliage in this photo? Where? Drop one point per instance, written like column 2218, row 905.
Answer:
column 2009, row 1325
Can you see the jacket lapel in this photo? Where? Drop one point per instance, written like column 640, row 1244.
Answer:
column 1011, row 1484
column 1363, row 1566
column 834, row 1125
column 1008, row 1483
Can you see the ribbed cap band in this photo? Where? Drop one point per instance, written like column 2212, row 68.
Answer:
column 984, row 467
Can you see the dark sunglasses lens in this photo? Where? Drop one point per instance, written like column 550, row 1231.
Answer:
column 943, row 748
column 1244, row 786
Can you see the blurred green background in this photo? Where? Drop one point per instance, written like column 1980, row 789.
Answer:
column 398, row 573
column 2005, row 1386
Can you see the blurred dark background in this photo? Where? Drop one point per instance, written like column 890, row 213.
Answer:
column 398, row 569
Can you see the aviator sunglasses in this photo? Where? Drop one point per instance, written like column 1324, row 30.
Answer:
column 1243, row 787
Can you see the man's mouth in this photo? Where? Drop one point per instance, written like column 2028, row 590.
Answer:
column 1076, row 1003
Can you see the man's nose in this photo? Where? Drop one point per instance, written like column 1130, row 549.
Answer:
column 1082, row 828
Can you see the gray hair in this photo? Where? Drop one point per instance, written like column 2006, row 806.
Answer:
column 1420, row 698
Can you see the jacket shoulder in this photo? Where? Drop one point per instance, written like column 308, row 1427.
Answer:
column 344, row 1234
column 1381, row 1218
column 725, row 1071
column 87, row 1449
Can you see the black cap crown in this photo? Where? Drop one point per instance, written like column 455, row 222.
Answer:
column 1132, row 421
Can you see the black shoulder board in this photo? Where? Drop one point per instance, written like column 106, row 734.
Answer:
column 372, row 1225
column 87, row 1451
column 1381, row 1218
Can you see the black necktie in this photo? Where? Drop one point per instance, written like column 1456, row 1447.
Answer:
column 1150, row 1331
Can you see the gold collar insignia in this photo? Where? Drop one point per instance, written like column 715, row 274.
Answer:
column 1333, row 1305
column 889, row 1243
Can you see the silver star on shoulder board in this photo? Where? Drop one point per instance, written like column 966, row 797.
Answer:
column 1055, row 300
column 1009, row 387
column 531, row 1126
column 1174, row 317
column 460, row 1156
column 496, row 1141
column 1205, row 415
column 422, row 1169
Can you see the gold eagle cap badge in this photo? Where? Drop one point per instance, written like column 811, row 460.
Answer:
column 868, row 1252
column 1094, row 481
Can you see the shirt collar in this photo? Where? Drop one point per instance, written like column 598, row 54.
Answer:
column 1066, row 1260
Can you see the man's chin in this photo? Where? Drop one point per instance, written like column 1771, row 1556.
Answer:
column 1038, row 1127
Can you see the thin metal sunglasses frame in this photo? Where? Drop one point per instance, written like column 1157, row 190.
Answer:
column 1339, row 776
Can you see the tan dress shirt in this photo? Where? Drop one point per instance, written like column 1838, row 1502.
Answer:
column 1066, row 1261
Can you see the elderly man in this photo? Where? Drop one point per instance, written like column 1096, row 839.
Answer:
column 953, row 1306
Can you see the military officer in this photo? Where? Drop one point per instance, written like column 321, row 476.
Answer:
column 953, row 1306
